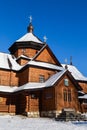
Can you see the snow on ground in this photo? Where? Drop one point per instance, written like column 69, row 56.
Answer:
column 24, row 123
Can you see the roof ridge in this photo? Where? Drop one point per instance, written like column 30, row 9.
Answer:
column 43, row 64
column 75, row 73
column 54, row 78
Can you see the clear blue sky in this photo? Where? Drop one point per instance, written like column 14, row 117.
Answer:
column 64, row 22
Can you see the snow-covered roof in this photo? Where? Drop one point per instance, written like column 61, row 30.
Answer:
column 83, row 97
column 45, row 65
column 53, row 79
column 7, row 89
column 29, row 37
column 34, row 85
column 50, row 82
column 75, row 73
column 23, row 56
column 81, row 92
column 7, row 62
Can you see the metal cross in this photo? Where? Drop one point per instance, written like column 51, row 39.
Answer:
column 30, row 19
column 45, row 38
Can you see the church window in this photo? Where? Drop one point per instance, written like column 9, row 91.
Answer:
column 41, row 78
column 69, row 95
column 65, row 95
column 66, row 82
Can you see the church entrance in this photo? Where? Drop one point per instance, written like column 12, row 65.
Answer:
column 29, row 103
column 20, row 104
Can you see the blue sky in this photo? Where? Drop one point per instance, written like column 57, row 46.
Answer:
column 64, row 22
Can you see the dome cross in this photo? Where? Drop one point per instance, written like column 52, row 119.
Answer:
column 45, row 38
column 30, row 19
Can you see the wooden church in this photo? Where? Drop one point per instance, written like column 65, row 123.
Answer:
column 34, row 83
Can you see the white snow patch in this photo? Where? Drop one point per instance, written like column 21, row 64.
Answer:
column 24, row 123
column 46, row 65
column 29, row 37
column 7, row 88
column 7, row 61
column 83, row 97
column 75, row 73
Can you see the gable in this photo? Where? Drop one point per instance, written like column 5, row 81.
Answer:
column 67, row 95
column 68, row 84
column 72, row 81
column 46, row 55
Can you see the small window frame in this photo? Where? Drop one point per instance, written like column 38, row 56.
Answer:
column 66, row 82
